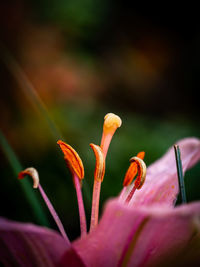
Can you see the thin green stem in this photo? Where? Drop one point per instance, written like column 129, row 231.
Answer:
column 83, row 224
column 180, row 173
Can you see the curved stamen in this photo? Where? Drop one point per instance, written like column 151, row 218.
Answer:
column 32, row 172
column 75, row 165
column 132, row 170
column 138, row 183
column 129, row 176
column 98, row 178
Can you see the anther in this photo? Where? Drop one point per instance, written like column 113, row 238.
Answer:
column 72, row 158
column 100, row 162
column 132, row 170
column 141, row 172
column 139, row 181
column 32, row 172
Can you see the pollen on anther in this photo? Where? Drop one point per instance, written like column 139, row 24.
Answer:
column 132, row 170
column 72, row 158
column 100, row 162
column 141, row 172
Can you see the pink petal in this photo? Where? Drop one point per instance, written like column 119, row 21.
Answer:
column 128, row 236
column 161, row 185
column 29, row 245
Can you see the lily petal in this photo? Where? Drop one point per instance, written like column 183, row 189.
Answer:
column 30, row 245
column 128, row 236
column 161, row 185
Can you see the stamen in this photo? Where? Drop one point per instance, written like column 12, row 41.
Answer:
column 32, row 172
column 141, row 168
column 98, row 178
column 111, row 123
column 129, row 176
column 82, row 216
column 180, row 173
column 75, row 165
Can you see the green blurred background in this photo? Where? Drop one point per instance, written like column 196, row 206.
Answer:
column 85, row 59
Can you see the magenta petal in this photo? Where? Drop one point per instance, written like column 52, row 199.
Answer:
column 29, row 245
column 161, row 185
column 142, row 236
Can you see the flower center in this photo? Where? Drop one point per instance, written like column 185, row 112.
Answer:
column 74, row 163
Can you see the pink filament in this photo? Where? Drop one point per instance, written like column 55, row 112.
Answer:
column 123, row 194
column 54, row 214
column 95, row 204
column 83, row 224
column 130, row 195
column 105, row 142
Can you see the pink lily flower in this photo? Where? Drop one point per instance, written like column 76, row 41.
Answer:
column 140, row 227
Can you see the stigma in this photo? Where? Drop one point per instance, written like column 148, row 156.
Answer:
column 111, row 123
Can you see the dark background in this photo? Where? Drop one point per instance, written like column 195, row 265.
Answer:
column 85, row 59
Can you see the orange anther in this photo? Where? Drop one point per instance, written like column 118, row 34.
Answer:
column 132, row 170
column 72, row 158
column 141, row 167
column 100, row 162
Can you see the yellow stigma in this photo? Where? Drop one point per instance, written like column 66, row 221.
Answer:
column 111, row 122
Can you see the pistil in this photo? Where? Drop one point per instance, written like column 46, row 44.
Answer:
column 32, row 172
column 111, row 123
column 98, row 178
